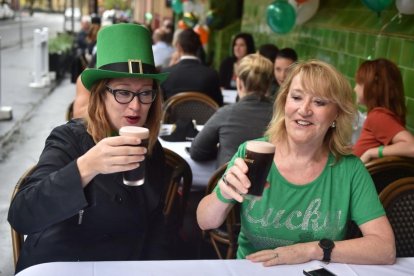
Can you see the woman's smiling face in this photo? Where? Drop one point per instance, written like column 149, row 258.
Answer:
column 307, row 117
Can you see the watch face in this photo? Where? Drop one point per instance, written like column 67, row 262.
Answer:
column 326, row 244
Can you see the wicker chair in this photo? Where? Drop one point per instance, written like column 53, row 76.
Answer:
column 179, row 186
column 189, row 105
column 398, row 201
column 388, row 169
column 18, row 239
column 224, row 238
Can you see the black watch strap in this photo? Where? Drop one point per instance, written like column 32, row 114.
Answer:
column 327, row 246
column 327, row 255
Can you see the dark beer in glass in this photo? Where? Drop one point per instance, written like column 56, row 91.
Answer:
column 135, row 177
column 259, row 158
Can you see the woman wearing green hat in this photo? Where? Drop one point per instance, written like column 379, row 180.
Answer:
column 74, row 206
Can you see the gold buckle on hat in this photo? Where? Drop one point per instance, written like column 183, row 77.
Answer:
column 131, row 61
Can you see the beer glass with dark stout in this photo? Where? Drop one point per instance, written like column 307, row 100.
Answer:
column 259, row 159
column 135, row 177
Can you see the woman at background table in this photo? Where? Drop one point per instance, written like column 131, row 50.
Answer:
column 379, row 86
column 245, row 120
column 284, row 59
column 315, row 185
column 242, row 45
column 75, row 207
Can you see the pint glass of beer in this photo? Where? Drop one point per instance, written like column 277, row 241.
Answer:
column 259, row 159
column 135, row 177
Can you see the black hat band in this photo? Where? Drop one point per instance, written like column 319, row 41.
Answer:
column 133, row 66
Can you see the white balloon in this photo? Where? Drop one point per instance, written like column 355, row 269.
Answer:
column 405, row 6
column 188, row 6
column 305, row 11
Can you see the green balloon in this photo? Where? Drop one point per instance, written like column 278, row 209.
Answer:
column 177, row 6
column 281, row 16
column 377, row 5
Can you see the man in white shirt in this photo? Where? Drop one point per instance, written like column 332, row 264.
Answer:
column 161, row 48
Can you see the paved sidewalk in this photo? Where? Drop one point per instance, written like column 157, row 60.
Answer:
column 26, row 145
column 36, row 111
column 16, row 75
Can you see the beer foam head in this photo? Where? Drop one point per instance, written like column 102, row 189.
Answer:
column 139, row 132
column 260, row 147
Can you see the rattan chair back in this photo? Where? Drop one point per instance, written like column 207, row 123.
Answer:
column 398, row 201
column 189, row 105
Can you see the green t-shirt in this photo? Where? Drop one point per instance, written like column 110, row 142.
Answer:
column 287, row 214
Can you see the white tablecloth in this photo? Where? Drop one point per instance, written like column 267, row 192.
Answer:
column 404, row 266
column 229, row 96
column 202, row 171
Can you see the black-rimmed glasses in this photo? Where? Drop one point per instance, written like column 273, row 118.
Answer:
column 123, row 96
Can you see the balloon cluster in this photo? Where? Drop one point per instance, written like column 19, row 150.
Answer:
column 177, row 6
column 305, row 9
column 202, row 32
column 214, row 19
column 283, row 15
column 377, row 5
column 403, row 6
column 190, row 19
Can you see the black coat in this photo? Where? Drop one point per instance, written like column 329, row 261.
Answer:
column 226, row 73
column 190, row 75
column 106, row 220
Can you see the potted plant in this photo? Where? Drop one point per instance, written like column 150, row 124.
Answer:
column 59, row 53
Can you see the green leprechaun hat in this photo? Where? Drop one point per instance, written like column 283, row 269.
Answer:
column 123, row 51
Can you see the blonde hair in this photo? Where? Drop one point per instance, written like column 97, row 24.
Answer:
column 97, row 122
column 256, row 72
column 325, row 81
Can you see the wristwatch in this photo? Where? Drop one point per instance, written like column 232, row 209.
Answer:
column 327, row 245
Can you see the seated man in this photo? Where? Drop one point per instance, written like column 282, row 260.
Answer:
column 189, row 74
column 161, row 48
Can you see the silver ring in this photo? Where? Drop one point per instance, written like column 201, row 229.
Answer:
column 224, row 179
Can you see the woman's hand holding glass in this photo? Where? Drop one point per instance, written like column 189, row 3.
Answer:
column 235, row 182
column 111, row 155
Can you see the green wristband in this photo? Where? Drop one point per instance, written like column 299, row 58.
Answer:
column 380, row 149
column 222, row 198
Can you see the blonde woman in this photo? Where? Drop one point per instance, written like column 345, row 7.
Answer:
column 315, row 184
column 244, row 120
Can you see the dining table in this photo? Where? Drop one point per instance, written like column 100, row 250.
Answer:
column 402, row 267
column 229, row 96
column 202, row 170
